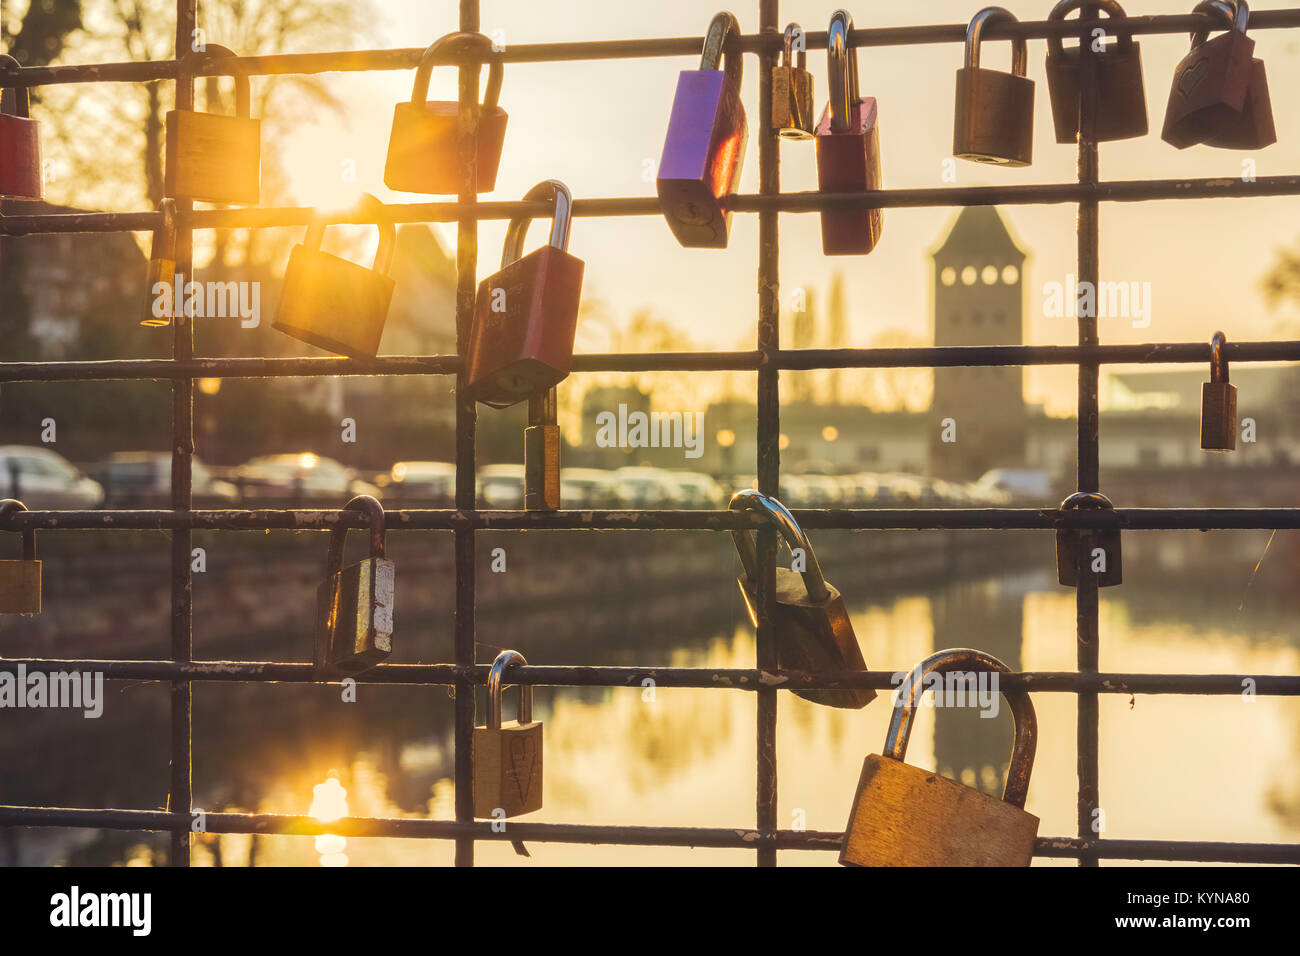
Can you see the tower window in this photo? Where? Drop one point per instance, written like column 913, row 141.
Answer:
column 1010, row 275
column 989, row 275
column 948, row 275
column 969, row 275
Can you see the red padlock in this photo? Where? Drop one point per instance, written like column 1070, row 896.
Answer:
column 20, row 143
column 525, row 316
column 1211, row 82
column 848, row 148
column 1253, row 127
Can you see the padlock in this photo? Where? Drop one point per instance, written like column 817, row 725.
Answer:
column 1218, row 402
column 526, row 315
column 214, row 158
column 705, row 146
column 1210, row 83
column 423, row 149
column 848, row 148
column 813, row 629
column 994, row 118
column 905, row 816
column 334, row 304
column 20, row 581
column 20, row 142
column 542, row 454
column 507, row 757
column 1121, row 98
column 162, row 269
column 1253, row 127
column 1106, row 540
column 354, row 605
column 792, row 89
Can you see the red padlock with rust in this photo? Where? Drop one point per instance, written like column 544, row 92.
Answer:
column 20, row 143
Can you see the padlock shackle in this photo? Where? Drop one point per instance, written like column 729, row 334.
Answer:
column 22, row 98
column 214, row 51
column 424, row 71
column 164, row 237
column 1218, row 362
column 543, row 408
column 368, row 207
column 10, row 506
column 561, row 218
column 1019, row 48
column 1086, row 499
column 1234, row 13
column 1023, row 717
column 374, row 511
column 504, row 660
column 748, row 499
column 793, row 30
column 1109, row 7
column 841, row 72
column 723, row 37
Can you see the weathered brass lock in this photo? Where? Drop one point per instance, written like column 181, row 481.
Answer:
column 994, row 118
column 423, row 149
column 507, row 757
column 792, row 88
column 1121, row 98
column 20, row 142
column 163, row 294
column 20, row 580
column 334, row 304
column 542, row 453
column 1253, row 127
column 354, row 605
column 905, row 816
column 813, row 629
column 1102, row 555
column 214, row 158
column 1218, row 402
column 1210, row 83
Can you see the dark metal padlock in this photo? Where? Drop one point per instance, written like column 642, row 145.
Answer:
column 994, row 118
column 162, row 269
column 848, row 148
column 20, row 142
column 423, row 149
column 1253, row 127
column 1104, row 539
column 1121, row 98
column 1218, row 402
column 792, row 89
column 214, row 158
column 813, row 629
column 20, row 581
column 705, row 146
column 542, row 453
column 1210, row 83
column 507, row 757
column 334, row 304
column 526, row 315
column 354, row 605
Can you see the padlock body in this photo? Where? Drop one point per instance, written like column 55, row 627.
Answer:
column 1121, row 97
column 1209, row 89
column 542, row 468
column 20, row 157
column 334, row 304
column 850, row 163
column 525, row 318
column 994, row 118
column 905, row 816
column 1218, row 416
column 161, row 271
column 1107, row 540
column 20, row 587
column 354, row 619
column 702, row 158
column 423, row 149
column 508, row 769
column 792, row 102
column 214, row 158
column 1253, row 127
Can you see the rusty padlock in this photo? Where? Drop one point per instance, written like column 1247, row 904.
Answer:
column 20, row 580
column 792, row 88
column 1253, row 127
column 705, row 146
column 354, row 605
column 507, row 757
column 526, row 315
column 1121, row 98
column 163, row 294
column 1103, row 557
column 1210, row 83
column 1218, row 402
column 20, row 142
column 334, row 304
column 214, row 158
column 994, row 117
column 905, row 816
column 423, row 149
column 848, row 148
column 542, row 453
column 813, row 629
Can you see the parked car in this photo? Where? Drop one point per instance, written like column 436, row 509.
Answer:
column 698, row 491
column 792, row 491
column 501, row 487
column 820, row 491
column 644, row 487
column 1018, row 483
column 424, row 481
column 136, row 479
column 586, row 488
column 43, row 479
column 305, row 476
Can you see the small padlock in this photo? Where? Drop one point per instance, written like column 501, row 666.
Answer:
column 1210, row 83
column 1218, row 402
column 507, row 758
column 20, row 581
column 526, row 315
column 792, row 89
column 848, row 148
column 705, row 146
column 813, row 629
column 1121, row 98
column 542, row 453
column 162, row 270
column 20, row 142
column 334, row 304
column 423, row 149
column 354, row 605
column 210, row 157
column 905, row 816
column 1105, row 540
column 1253, row 127
column 994, row 118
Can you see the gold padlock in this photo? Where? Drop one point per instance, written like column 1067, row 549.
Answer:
column 507, row 758
column 542, row 454
column 1218, row 402
column 792, row 89
column 20, row 581
column 994, row 117
column 162, row 305
column 214, row 158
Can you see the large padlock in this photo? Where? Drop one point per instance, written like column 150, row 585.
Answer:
column 1210, row 83
column 354, row 605
column 792, row 88
column 507, row 757
column 813, row 629
column 1121, row 98
column 526, row 315
column 705, row 146
column 214, row 158
column 20, row 142
column 1218, row 402
column 20, row 580
column 848, row 148
column 905, row 816
column 994, row 118
column 163, row 294
column 542, row 453
column 334, row 304
column 423, row 149
column 1253, row 127
column 1102, row 545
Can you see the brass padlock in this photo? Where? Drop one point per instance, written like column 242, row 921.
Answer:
column 20, row 581
column 994, row 119
column 354, row 605
column 1253, row 127
column 507, row 757
column 214, row 158
column 542, row 454
column 1121, row 98
column 1102, row 545
column 1218, row 402
column 905, row 816
column 813, row 629
column 163, row 294
column 792, row 89
column 20, row 143
column 1211, row 82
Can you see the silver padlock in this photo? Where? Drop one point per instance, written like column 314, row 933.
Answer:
column 354, row 605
